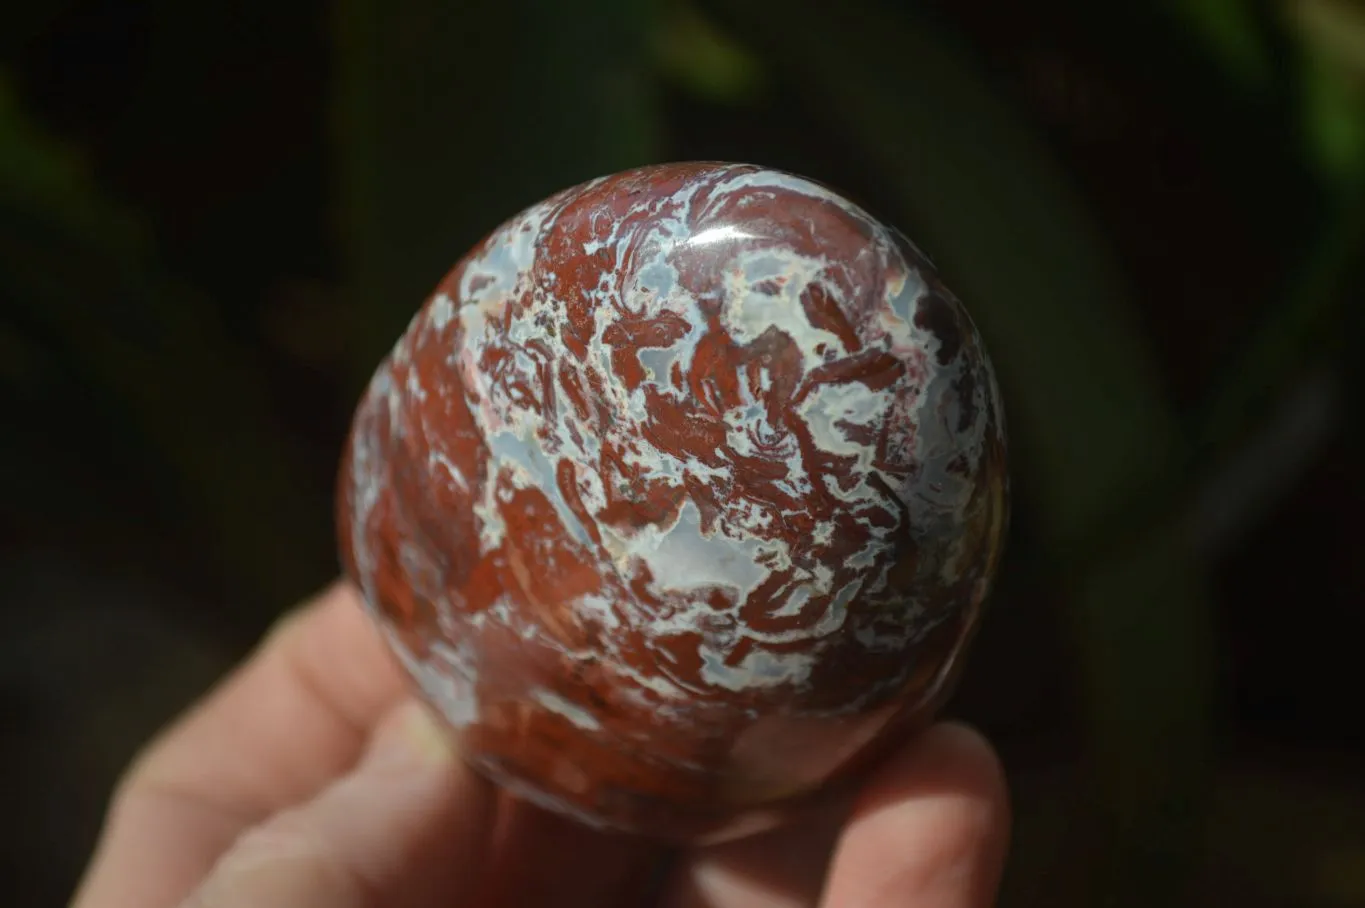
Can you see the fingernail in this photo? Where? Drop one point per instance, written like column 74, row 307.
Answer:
column 412, row 737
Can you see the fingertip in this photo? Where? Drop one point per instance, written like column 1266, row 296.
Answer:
column 951, row 757
column 931, row 825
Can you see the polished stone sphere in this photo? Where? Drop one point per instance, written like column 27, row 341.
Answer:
column 679, row 498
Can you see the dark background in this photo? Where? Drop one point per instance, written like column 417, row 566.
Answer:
column 215, row 217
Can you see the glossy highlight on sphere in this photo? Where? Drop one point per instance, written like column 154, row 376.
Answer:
column 680, row 496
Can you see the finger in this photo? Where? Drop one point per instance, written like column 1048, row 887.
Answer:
column 784, row 868
column 544, row 859
column 293, row 717
column 930, row 829
column 407, row 829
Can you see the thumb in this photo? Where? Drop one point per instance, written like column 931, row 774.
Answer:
column 407, row 828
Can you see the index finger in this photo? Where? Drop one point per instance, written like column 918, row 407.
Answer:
column 294, row 716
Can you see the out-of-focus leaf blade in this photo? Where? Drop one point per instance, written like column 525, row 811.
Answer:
column 1087, row 415
column 1295, row 329
column 1336, row 29
column 1233, row 32
column 1332, row 35
column 39, row 173
column 703, row 60
column 453, row 116
column 77, row 268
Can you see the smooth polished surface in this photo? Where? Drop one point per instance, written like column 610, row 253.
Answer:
column 680, row 496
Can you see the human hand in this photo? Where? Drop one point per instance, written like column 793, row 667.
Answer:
column 310, row 779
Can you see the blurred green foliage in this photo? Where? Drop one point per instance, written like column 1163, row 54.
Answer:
column 424, row 110
column 164, row 386
column 445, row 118
column 1331, row 34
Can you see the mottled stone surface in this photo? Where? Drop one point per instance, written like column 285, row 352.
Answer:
column 680, row 496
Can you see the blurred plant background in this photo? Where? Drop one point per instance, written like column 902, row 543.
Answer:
column 216, row 217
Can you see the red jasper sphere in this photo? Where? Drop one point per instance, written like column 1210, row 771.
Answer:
column 680, row 496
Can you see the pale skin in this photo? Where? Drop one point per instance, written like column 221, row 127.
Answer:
column 310, row 779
